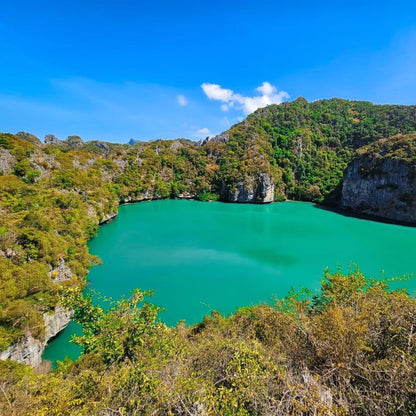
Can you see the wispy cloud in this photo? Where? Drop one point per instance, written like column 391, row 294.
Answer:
column 204, row 132
column 120, row 111
column 269, row 95
column 99, row 110
column 225, row 122
column 182, row 101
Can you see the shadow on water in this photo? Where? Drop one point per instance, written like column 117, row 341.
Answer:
column 269, row 257
column 363, row 216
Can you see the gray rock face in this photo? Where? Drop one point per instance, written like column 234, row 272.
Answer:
column 52, row 139
column 384, row 188
column 56, row 322
column 43, row 172
column 29, row 137
column 103, row 146
column 7, row 161
column 108, row 217
column 60, row 273
column 222, row 138
column 147, row 195
column 150, row 195
column 74, row 141
column 175, row 145
column 258, row 189
column 29, row 350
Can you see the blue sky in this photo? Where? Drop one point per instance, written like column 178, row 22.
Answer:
column 115, row 70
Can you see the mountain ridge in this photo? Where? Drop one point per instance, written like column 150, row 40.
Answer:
column 55, row 195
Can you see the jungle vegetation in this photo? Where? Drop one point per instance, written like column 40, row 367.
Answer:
column 349, row 348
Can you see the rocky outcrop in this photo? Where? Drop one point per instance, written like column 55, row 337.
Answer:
column 255, row 189
column 103, row 146
column 149, row 195
column 74, row 141
column 108, row 217
column 29, row 350
column 56, row 322
column 52, row 139
column 222, row 138
column 7, row 161
column 29, row 137
column 61, row 273
column 381, row 180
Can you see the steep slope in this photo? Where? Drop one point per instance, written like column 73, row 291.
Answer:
column 381, row 179
column 304, row 147
column 54, row 195
column 348, row 350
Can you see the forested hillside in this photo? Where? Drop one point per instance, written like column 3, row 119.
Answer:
column 380, row 180
column 350, row 348
column 306, row 146
column 52, row 199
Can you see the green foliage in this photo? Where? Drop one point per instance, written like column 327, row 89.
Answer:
column 42, row 223
column 114, row 334
column 348, row 350
column 306, row 146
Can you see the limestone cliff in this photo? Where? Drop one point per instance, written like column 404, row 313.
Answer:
column 29, row 350
column 381, row 180
column 7, row 161
column 255, row 189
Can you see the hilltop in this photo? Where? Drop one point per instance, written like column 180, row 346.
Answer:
column 54, row 195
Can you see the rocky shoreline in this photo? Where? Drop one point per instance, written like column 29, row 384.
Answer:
column 381, row 181
column 29, row 350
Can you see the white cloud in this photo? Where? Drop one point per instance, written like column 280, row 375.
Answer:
column 182, row 101
column 270, row 95
column 204, row 132
column 216, row 92
column 201, row 133
column 266, row 88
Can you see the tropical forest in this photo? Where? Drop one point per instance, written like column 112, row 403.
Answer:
column 348, row 348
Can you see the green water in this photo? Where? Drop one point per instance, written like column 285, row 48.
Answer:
column 199, row 257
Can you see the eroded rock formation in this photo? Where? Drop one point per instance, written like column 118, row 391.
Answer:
column 381, row 180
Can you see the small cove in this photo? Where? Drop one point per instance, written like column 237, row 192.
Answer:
column 199, row 257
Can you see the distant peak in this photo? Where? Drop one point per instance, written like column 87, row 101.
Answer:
column 301, row 100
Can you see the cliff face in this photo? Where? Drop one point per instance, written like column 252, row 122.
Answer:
column 6, row 161
column 258, row 189
column 295, row 150
column 381, row 180
column 29, row 350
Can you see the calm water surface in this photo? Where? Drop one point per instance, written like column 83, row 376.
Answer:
column 199, row 257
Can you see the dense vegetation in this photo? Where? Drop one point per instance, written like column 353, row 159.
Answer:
column 52, row 199
column 306, row 146
column 399, row 147
column 347, row 349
